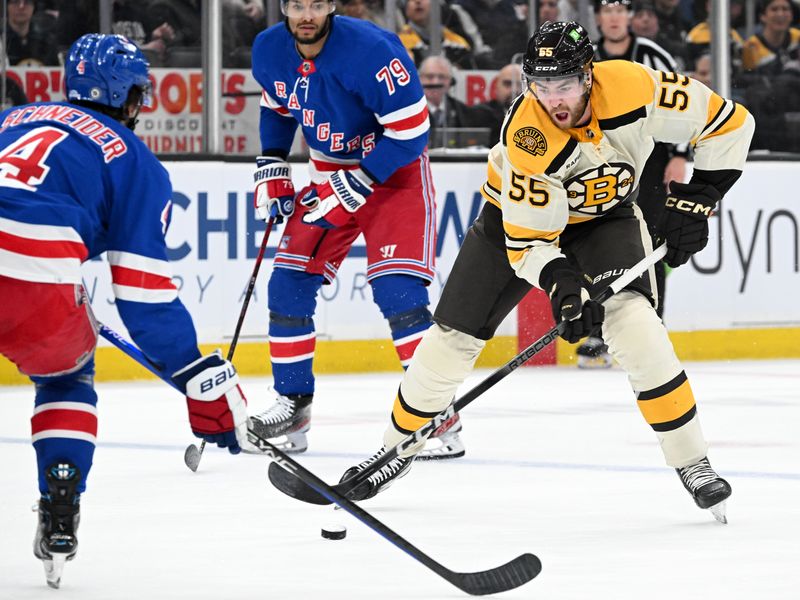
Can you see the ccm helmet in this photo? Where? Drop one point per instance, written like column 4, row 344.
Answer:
column 104, row 68
column 558, row 50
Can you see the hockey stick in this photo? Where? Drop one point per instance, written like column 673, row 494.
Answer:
column 295, row 487
column 499, row 579
column 192, row 455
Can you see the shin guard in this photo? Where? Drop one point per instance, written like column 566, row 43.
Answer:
column 638, row 341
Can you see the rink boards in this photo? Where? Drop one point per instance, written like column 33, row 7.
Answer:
column 735, row 299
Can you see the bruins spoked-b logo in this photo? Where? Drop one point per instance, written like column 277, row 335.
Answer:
column 531, row 140
column 596, row 191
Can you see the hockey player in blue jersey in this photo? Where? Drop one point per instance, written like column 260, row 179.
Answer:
column 76, row 182
column 355, row 93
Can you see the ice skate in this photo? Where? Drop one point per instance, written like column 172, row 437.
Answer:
column 285, row 423
column 59, row 514
column 593, row 354
column 445, row 442
column 707, row 488
column 382, row 479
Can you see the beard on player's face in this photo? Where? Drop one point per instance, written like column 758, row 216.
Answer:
column 309, row 30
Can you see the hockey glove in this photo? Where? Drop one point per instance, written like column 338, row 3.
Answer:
column 217, row 407
column 684, row 224
column 334, row 201
column 570, row 301
column 274, row 192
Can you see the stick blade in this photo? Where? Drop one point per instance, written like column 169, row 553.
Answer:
column 500, row 579
column 191, row 457
column 293, row 486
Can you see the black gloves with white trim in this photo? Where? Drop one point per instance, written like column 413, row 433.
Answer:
column 570, row 301
column 684, row 224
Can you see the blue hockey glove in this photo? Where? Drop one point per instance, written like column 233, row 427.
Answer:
column 217, row 406
column 274, row 192
column 333, row 202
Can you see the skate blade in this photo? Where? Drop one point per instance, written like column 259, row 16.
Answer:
column 718, row 510
column 597, row 362
column 453, row 448
column 290, row 443
column 53, row 568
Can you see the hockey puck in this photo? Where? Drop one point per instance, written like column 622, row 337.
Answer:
column 334, row 532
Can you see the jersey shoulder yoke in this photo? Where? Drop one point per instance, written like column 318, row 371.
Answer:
column 533, row 143
column 621, row 92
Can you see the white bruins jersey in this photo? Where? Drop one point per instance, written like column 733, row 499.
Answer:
column 544, row 178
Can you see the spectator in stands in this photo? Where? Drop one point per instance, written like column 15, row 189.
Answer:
column 362, row 9
column 771, row 60
column 667, row 162
column 253, row 9
column 645, row 24
column 14, row 95
column 240, row 24
column 27, row 44
column 457, row 45
column 503, row 27
column 568, row 11
column 508, row 85
column 702, row 69
column 548, row 11
column 80, row 17
column 670, row 22
column 129, row 18
column 445, row 112
column 617, row 40
column 183, row 16
column 698, row 42
column 777, row 45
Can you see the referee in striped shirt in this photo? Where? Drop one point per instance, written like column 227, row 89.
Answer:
column 667, row 161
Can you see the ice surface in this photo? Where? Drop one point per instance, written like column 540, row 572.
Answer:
column 559, row 463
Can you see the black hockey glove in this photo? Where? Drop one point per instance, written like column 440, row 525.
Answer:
column 684, row 224
column 570, row 301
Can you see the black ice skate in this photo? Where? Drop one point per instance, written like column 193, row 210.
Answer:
column 708, row 489
column 59, row 515
column 593, row 354
column 288, row 419
column 444, row 442
column 382, row 479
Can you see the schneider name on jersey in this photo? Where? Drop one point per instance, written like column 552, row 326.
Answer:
column 545, row 178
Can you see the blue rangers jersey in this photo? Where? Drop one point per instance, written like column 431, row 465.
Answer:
column 359, row 102
column 75, row 183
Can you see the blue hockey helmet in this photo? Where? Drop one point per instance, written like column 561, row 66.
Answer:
column 103, row 68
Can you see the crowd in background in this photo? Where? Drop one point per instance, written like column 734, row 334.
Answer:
column 476, row 34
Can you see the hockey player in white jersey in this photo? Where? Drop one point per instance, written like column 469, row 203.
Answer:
column 560, row 215
column 666, row 163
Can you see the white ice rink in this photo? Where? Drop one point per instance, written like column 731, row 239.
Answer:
column 559, row 463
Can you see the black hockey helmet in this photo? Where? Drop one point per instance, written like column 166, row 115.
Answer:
column 558, row 49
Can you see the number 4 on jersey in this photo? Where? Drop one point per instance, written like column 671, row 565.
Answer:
column 22, row 164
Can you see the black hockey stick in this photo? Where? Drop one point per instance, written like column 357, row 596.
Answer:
column 492, row 581
column 192, row 455
column 293, row 486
